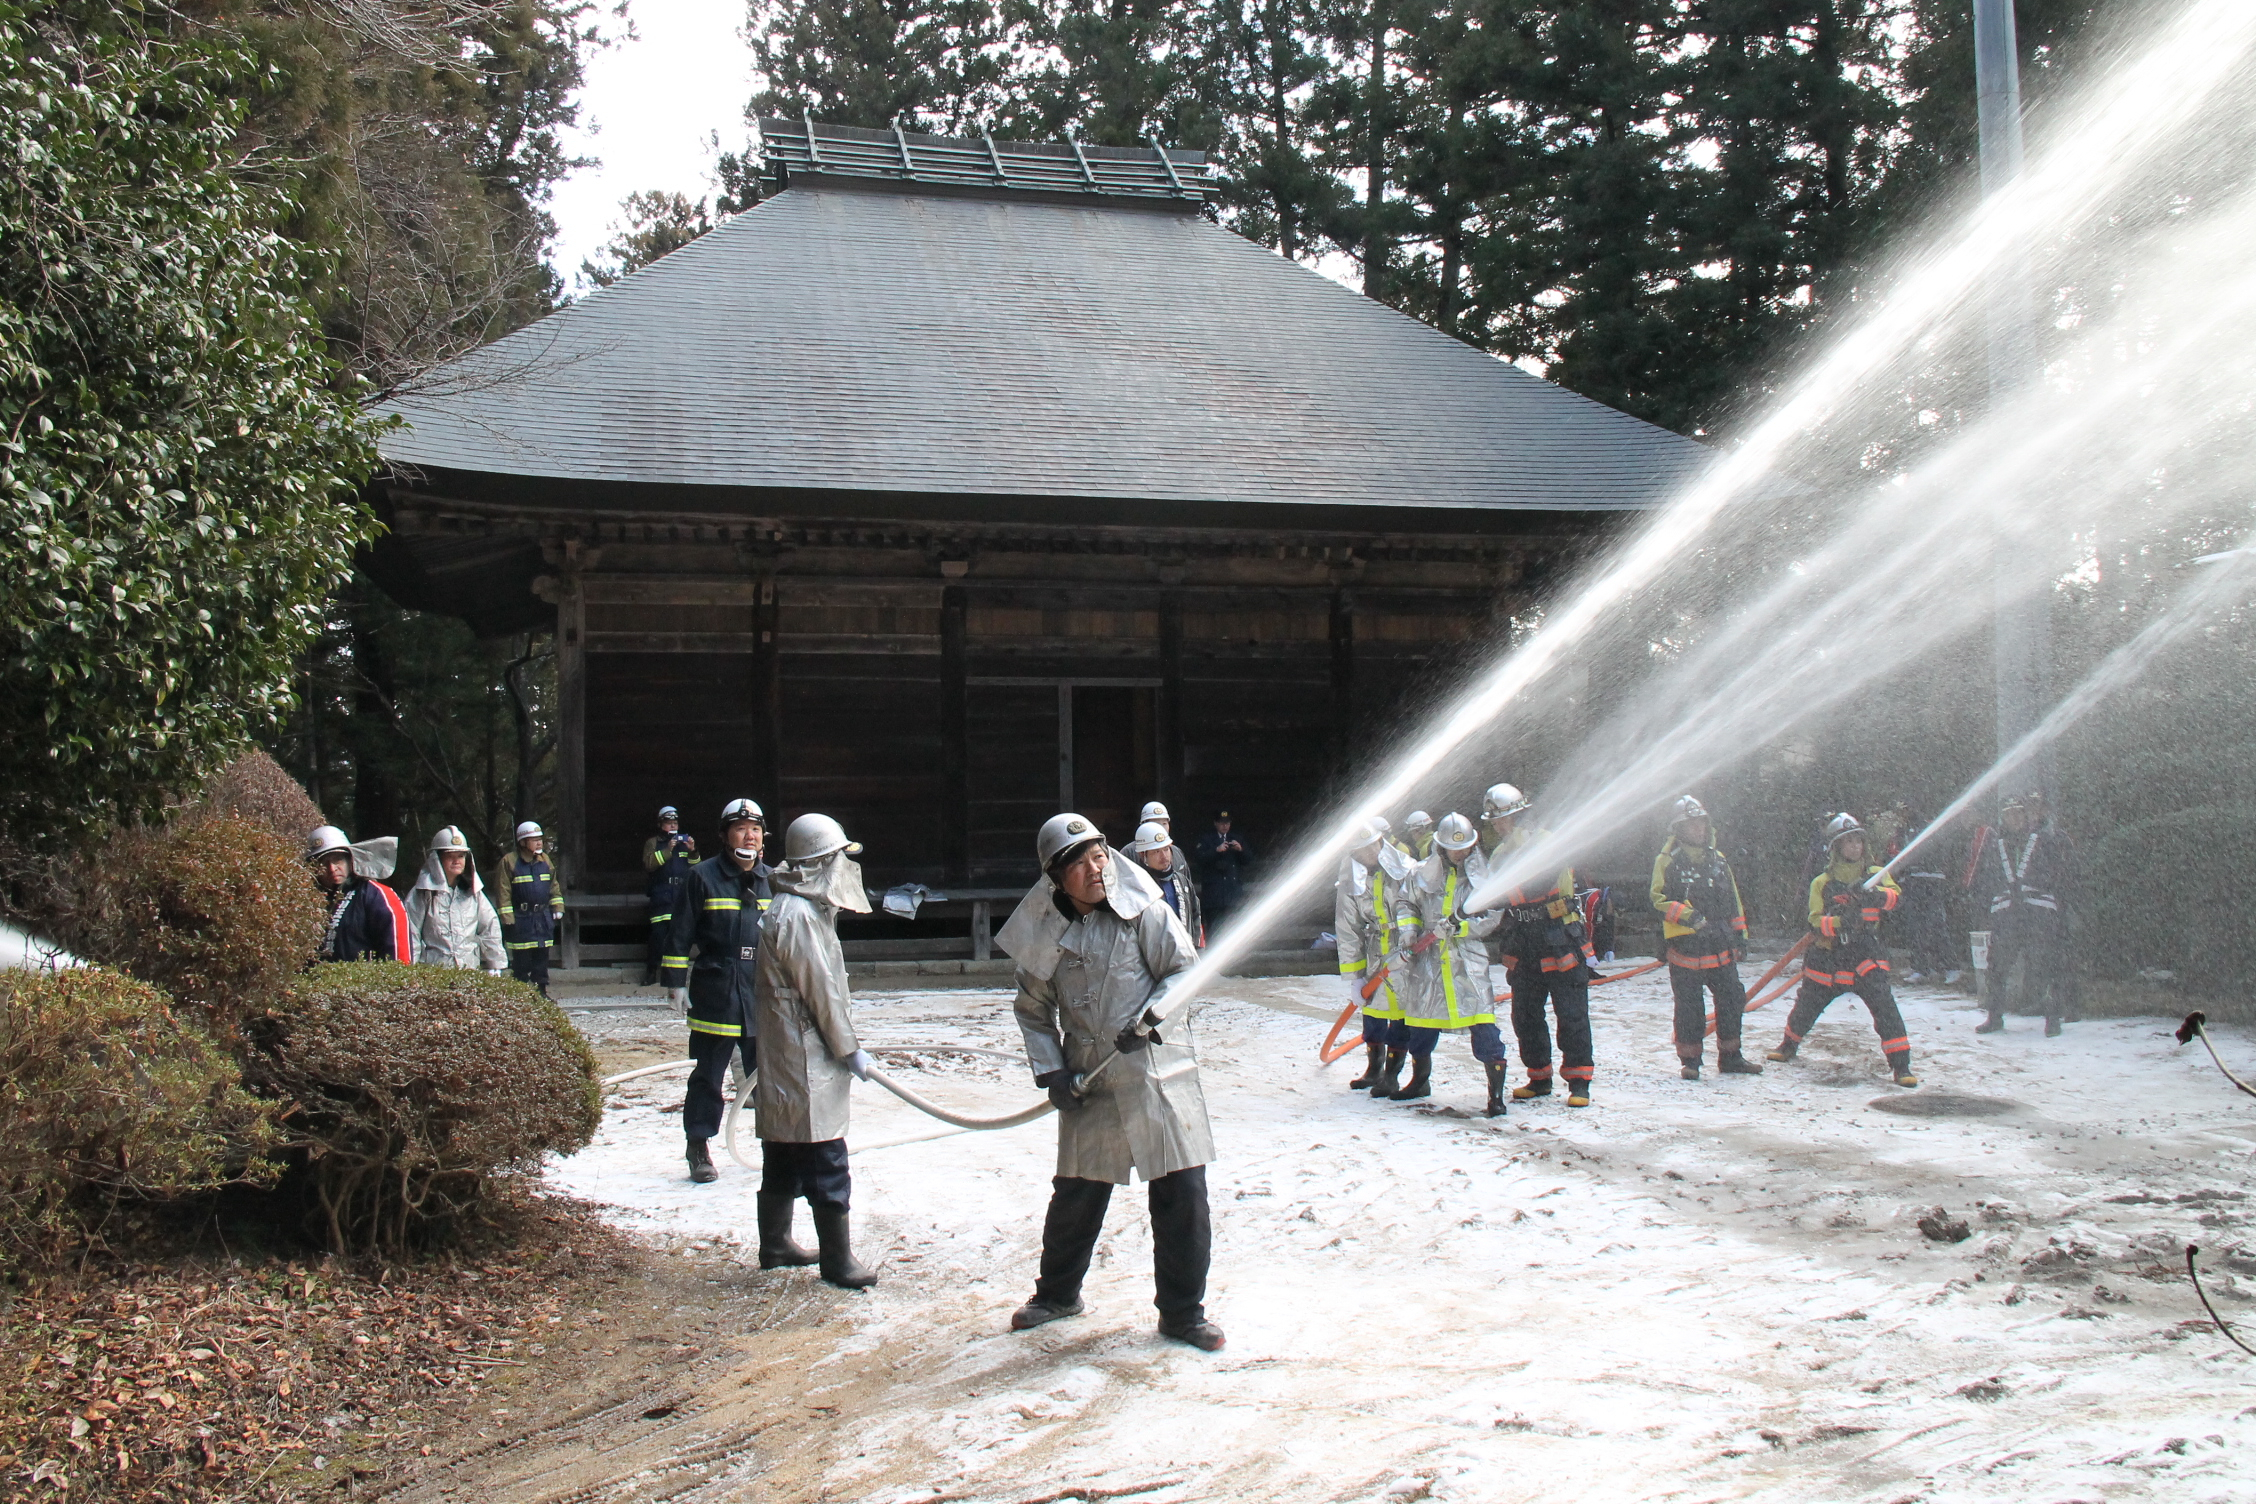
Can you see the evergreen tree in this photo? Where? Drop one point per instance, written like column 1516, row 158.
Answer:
column 876, row 63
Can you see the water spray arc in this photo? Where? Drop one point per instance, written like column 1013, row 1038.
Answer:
column 2219, row 587
column 2135, row 110
column 1883, row 592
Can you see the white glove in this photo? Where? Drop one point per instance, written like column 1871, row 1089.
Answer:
column 678, row 999
column 859, row 1063
column 497, row 971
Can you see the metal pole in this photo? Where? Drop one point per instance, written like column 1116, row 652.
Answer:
column 2023, row 607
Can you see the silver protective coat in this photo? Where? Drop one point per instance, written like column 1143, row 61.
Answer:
column 1457, row 962
column 803, row 1011
column 1081, row 982
column 453, row 925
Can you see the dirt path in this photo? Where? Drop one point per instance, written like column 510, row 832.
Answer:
column 1692, row 1291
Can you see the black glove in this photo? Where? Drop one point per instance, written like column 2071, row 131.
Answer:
column 1697, row 920
column 1128, row 1041
column 1059, row 1084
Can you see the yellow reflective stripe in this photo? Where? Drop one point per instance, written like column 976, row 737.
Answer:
column 528, row 945
column 700, row 1026
column 661, row 919
column 712, row 904
column 674, row 962
column 764, row 902
column 529, row 877
column 1351, row 968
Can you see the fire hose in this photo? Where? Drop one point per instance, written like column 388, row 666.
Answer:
column 921, row 1104
column 2196, row 1027
column 1756, row 997
column 1333, row 1048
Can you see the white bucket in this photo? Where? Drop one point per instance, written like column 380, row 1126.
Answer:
column 1978, row 941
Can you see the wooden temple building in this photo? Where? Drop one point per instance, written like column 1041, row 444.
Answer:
column 962, row 481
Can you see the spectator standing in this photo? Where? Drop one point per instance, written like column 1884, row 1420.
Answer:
column 1221, row 861
column 666, row 860
column 532, row 906
column 447, row 913
column 1178, row 869
column 2024, row 871
column 367, row 921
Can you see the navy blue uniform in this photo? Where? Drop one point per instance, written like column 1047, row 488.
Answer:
column 717, row 918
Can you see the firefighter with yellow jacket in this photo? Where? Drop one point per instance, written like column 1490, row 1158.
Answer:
column 1845, row 953
column 1454, row 990
column 1704, row 932
column 1375, row 917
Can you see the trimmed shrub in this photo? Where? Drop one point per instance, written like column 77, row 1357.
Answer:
column 215, row 909
column 107, row 1096
column 2190, row 918
column 254, row 788
column 405, row 1090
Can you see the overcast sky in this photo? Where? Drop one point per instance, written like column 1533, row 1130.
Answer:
column 649, row 105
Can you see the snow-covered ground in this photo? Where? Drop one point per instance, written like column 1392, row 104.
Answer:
column 1691, row 1290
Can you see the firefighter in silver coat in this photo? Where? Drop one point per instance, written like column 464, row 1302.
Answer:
column 1094, row 945
column 449, row 917
column 809, row 1056
column 1453, row 988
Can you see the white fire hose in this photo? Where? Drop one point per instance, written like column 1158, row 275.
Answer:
column 954, row 1119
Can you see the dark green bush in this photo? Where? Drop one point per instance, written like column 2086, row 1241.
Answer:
column 215, row 909
column 107, row 1097
column 405, row 1090
column 2171, row 893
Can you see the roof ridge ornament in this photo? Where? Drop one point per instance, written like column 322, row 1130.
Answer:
column 905, row 158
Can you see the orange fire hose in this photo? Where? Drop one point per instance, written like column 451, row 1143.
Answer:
column 1756, row 997
column 1326, row 1052
column 1634, row 971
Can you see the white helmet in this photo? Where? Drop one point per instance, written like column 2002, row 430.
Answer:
column 1455, row 832
column 668, row 812
column 1687, row 808
column 1372, row 831
column 449, row 838
column 527, row 830
column 1839, row 826
column 1154, row 811
column 1061, row 833
column 812, row 836
column 743, row 809
column 1418, row 823
column 1502, row 799
column 326, row 840
column 1150, row 836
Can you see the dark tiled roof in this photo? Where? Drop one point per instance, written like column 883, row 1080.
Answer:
column 795, row 150
column 863, row 338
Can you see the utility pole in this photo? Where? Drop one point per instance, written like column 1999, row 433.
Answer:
column 2023, row 606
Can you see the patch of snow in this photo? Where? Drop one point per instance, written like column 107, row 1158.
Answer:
column 1690, row 1290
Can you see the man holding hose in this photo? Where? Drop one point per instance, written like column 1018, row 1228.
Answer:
column 1094, row 945
column 1375, row 919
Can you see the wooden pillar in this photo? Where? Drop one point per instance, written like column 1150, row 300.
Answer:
column 1170, row 727
column 767, row 700
column 1340, row 736
column 571, row 747
column 955, row 744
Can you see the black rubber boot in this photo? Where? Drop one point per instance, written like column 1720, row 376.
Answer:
column 2052, row 1027
column 777, row 1250
column 1420, row 1083
column 1497, row 1072
column 1039, row 1312
column 1390, row 1077
column 1690, row 1070
column 1992, row 1024
column 1732, row 1063
column 1374, row 1059
column 1532, row 1090
column 701, row 1162
column 1203, row 1335
column 839, row 1266
column 1786, row 1051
